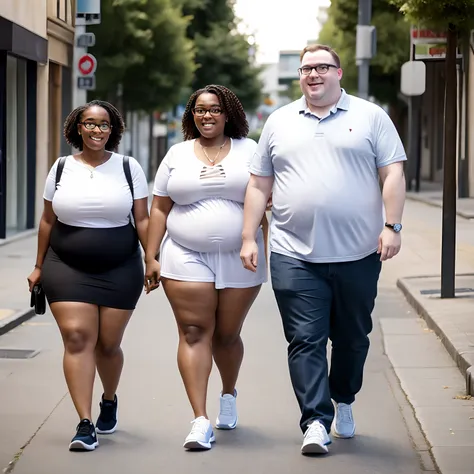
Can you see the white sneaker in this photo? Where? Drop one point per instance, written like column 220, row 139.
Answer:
column 227, row 418
column 344, row 426
column 201, row 435
column 316, row 439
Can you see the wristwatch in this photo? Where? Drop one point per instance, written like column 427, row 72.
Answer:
column 395, row 227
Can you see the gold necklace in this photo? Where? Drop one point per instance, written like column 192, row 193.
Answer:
column 218, row 153
column 90, row 167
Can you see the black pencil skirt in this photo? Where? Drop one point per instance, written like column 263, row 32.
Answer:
column 97, row 266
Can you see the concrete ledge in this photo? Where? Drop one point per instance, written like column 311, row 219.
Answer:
column 20, row 236
column 467, row 207
column 452, row 320
column 15, row 320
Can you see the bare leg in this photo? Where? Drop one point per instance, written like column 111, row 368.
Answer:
column 109, row 355
column 228, row 348
column 194, row 306
column 79, row 326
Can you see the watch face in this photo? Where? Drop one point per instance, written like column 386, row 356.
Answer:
column 397, row 227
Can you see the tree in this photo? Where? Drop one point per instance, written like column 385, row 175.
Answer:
column 393, row 46
column 456, row 18
column 223, row 55
column 144, row 57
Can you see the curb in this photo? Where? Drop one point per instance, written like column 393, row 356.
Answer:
column 464, row 365
column 15, row 320
column 429, row 202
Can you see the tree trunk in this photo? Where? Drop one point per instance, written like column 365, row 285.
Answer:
column 448, row 247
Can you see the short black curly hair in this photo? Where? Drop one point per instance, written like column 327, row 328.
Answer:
column 116, row 121
column 236, row 125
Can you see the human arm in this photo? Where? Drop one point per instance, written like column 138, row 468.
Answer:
column 48, row 218
column 141, row 218
column 256, row 198
column 160, row 209
column 390, row 156
column 393, row 193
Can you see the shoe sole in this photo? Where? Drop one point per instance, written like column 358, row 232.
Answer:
column 199, row 444
column 340, row 436
column 220, row 426
column 314, row 448
column 105, row 432
column 81, row 446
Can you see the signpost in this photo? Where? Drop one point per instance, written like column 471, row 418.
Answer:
column 86, row 40
column 87, row 64
column 88, row 12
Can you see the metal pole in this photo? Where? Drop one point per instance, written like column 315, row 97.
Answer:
column 365, row 17
column 448, row 245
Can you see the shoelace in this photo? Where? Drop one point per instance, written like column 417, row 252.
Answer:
column 199, row 426
column 316, row 429
column 226, row 407
column 84, row 428
column 344, row 413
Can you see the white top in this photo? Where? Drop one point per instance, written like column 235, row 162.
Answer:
column 103, row 201
column 208, row 212
column 326, row 203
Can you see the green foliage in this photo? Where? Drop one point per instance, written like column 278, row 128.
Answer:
column 393, row 45
column 142, row 48
column 222, row 53
column 438, row 15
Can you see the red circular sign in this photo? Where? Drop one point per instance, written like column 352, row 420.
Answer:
column 87, row 64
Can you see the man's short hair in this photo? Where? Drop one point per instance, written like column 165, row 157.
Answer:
column 312, row 48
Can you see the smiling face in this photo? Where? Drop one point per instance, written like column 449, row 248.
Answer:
column 94, row 128
column 319, row 89
column 209, row 116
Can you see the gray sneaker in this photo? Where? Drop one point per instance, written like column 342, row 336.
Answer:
column 344, row 426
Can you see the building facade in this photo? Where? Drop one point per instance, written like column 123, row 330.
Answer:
column 36, row 40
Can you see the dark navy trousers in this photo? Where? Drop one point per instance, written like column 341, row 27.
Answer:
column 317, row 302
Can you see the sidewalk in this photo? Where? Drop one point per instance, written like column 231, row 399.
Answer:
column 17, row 259
column 416, row 271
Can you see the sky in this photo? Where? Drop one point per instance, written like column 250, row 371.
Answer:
column 279, row 25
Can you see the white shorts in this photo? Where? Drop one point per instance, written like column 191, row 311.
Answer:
column 222, row 268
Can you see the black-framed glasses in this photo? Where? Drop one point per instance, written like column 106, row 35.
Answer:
column 103, row 127
column 319, row 68
column 201, row 111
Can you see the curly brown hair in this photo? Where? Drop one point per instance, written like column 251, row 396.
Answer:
column 116, row 121
column 236, row 125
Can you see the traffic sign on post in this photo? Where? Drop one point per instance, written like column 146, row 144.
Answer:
column 86, row 83
column 86, row 40
column 87, row 64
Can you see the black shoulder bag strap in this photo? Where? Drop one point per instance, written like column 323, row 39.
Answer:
column 59, row 170
column 128, row 175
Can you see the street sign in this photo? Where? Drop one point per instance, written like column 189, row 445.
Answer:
column 87, row 64
column 87, row 12
column 86, row 83
column 413, row 81
column 86, row 40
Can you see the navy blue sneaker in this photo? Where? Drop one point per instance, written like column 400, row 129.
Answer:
column 86, row 438
column 107, row 421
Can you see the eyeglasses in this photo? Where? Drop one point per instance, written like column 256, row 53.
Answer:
column 103, row 127
column 200, row 111
column 320, row 69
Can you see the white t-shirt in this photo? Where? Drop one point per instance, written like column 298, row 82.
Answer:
column 103, row 201
column 208, row 212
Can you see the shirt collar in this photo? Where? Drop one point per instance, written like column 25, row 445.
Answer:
column 342, row 104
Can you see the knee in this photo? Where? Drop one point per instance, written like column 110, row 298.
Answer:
column 105, row 349
column 225, row 340
column 76, row 341
column 194, row 334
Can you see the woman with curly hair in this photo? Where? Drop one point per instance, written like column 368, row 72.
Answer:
column 89, row 260
column 196, row 222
